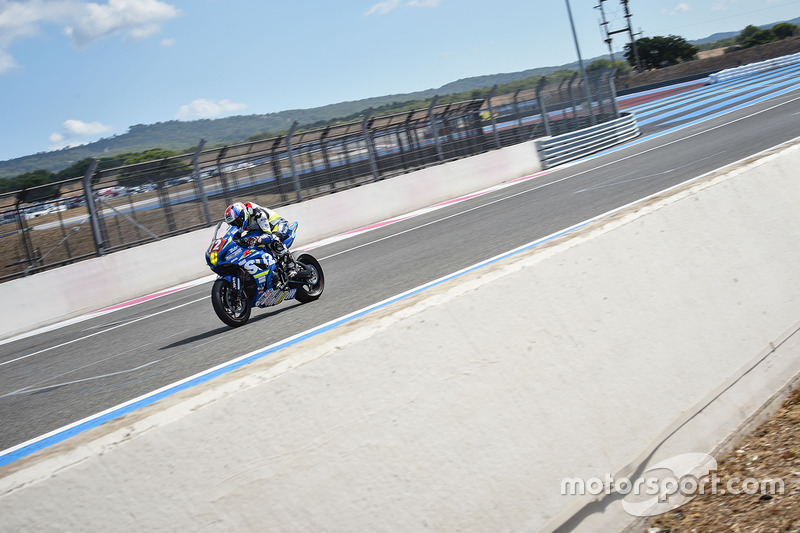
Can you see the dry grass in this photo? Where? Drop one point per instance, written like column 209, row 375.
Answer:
column 710, row 53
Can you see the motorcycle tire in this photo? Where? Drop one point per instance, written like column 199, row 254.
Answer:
column 231, row 308
column 308, row 292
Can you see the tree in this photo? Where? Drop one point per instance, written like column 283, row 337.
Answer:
column 77, row 170
column 785, row 30
column 746, row 33
column 754, row 36
column 152, row 166
column 31, row 183
column 660, row 51
column 605, row 64
column 759, row 37
column 149, row 155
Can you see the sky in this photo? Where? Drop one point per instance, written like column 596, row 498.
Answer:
column 75, row 71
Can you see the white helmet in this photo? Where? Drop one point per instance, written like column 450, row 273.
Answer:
column 237, row 215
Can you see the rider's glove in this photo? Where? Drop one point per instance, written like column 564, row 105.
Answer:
column 277, row 245
column 252, row 241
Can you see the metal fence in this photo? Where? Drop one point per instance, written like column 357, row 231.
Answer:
column 109, row 209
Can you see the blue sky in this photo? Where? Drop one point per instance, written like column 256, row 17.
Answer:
column 73, row 71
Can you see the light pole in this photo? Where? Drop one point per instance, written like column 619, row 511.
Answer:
column 592, row 118
column 604, row 24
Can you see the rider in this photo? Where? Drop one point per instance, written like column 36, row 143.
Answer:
column 260, row 226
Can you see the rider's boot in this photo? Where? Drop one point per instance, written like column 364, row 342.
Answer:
column 278, row 283
column 285, row 258
column 293, row 268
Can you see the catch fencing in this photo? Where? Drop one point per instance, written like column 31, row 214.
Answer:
column 109, row 209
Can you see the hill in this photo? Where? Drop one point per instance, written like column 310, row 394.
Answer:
column 183, row 136
column 730, row 34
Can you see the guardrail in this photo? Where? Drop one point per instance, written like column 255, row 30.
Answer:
column 570, row 146
column 753, row 68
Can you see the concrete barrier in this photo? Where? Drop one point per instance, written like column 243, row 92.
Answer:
column 77, row 289
column 653, row 330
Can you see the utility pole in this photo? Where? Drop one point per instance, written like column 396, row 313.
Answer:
column 633, row 39
column 604, row 24
column 629, row 30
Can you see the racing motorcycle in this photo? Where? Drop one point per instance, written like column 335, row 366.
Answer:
column 247, row 277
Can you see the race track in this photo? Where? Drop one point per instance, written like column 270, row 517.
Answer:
column 58, row 377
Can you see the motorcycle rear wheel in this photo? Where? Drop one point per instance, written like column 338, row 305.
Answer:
column 231, row 306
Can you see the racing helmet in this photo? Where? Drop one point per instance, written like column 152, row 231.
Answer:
column 237, row 215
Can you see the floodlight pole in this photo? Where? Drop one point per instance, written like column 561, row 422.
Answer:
column 608, row 40
column 633, row 40
column 592, row 118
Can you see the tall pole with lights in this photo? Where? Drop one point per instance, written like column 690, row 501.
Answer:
column 592, row 118
column 633, row 37
column 608, row 40
column 637, row 64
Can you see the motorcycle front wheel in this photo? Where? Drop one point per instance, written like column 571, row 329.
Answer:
column 231, row 306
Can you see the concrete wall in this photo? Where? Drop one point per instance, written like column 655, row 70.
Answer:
column 73, row 290
column 464, row 406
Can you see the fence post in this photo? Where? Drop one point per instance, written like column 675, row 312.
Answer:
column 542, row 107
column 223, row 181
column 492, row 117
column 99, row 244
column 575, row 119
column 435, row 129
column 613, row 92
column 597, row 93
column 413, row 146
column 520, row 135
column 323, row 146
column 30, row 251
column 295, row 176
column 373, row 164
column 163, row 195
column 276, row 168
column 564, row 99
column 199, row 181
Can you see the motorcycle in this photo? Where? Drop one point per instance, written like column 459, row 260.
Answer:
column 248, row 278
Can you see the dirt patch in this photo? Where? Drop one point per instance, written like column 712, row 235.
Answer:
column 771, row 452
column 705, row 54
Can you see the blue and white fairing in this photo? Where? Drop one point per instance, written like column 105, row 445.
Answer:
column 229, row 260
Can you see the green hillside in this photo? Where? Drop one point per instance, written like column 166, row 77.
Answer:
column 183, row 136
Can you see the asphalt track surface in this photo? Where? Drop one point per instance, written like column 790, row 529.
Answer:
column 55, row 378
